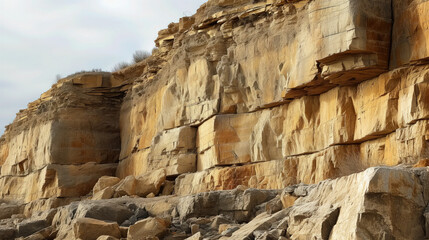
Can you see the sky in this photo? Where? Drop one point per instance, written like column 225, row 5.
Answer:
column 42, row 38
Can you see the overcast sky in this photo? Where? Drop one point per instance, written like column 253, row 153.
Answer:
column 42, row 38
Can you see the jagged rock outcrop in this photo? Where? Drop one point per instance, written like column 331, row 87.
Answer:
column 64, row 141
column 274, row 97
column 265, row 120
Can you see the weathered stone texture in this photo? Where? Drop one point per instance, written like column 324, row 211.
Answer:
column 244, row 94
column 410, row 36
column 371, row 213
column 54, row 181
column 331, row 163
column 221, row 68
column 63, row 142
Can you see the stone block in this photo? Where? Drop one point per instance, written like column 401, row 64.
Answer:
column 174, row 150
column 224, row 140
column 149, row 227
column 91, row 229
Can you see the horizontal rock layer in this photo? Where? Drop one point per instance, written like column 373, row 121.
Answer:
column 299, row 90
column 263, row 94
column 54, row 181
column 64, row 141
column 245, row 96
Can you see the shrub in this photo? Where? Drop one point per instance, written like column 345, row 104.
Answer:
column 155, row 50
column 120, row 66
column 85, row 71
column 139, row 56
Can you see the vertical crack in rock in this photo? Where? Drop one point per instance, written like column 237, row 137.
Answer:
column 329, row 223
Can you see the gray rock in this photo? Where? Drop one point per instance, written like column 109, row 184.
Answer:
column 133, row 219
column 48, row 233
column 7, row 233
column 7, row 210
column 106, row 211
column 300, row 191
column 274, row 206
column 141, row 213
column 426, row 216
column 229, row 231
column 28, row 227
column 218, row 220
column 47, row 215
column 126, row 223
column 236, row 204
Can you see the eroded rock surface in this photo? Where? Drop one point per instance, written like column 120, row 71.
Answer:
column 252, row 120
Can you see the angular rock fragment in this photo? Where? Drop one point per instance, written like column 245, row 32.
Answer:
column 104, row 182
column 236, row 204
column 106, row 211
column 149, row 227
column 28, row 227
column 367, row 214
column 91, row 229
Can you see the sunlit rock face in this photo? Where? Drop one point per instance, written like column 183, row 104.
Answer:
column 256, row 100
column 64, row 141
column 410, row 32
column 276, row 83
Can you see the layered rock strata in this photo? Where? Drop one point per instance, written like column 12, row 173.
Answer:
column 64, row 141
column 280, row 93
column 258, row 98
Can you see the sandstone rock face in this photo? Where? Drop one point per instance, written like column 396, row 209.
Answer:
column 64, row 141
column 263, row 117
column 333, row 162
column 173, row 150
column 280, row 102
column 410, row 32
column 54, row 181
column 369, row 215
column 214, row 66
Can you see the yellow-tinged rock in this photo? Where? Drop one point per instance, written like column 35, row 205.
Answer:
column 54, row 181
column 126, row 186
column 410, row 32
column 149, row 227
column 276, row 174
column 91, row 229
column 106, row 193
column 141, row 185
column 89, row 80
column 104, row 182
column 225, row 140
column 173, row 150
column 136, row 164
column 288, row 200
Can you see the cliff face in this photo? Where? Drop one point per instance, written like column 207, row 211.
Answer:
column 64, row 141
column 246, row 94
column 279, row 91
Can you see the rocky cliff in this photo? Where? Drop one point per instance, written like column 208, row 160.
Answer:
column 275, row 119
